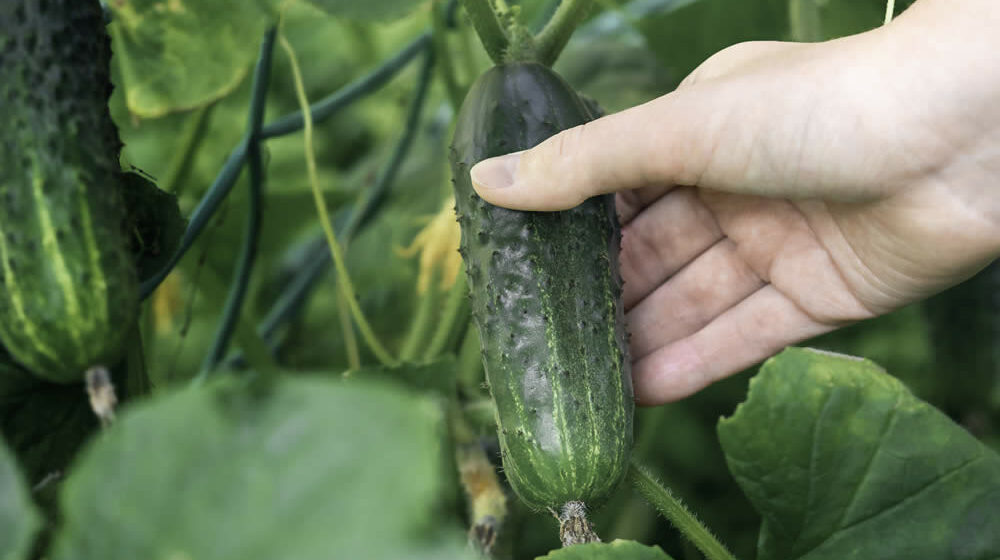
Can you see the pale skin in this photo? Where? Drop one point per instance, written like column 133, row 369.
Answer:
column 785, row 190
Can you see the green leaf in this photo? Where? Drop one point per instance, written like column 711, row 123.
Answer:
column 155, row 221
column 181, row 54
column 842, row 461
column 285, row 467
column 18, row 518
column 367, row 10
column 619, row 549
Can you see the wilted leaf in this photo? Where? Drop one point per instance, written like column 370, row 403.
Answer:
column 300, row 468
column 842, row 461
column 617, row 550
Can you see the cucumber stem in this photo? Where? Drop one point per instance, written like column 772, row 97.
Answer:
column 486, row 21
column 454, row 316
column 553, row 37
column 667, row 504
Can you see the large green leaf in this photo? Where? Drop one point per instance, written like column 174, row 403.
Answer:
column 616, row 550
column 303, row 468
column 18, row 519
column 842, row 461
column 181, row 54
column 368, row 10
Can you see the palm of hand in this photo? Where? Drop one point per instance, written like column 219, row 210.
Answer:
column 715, row 282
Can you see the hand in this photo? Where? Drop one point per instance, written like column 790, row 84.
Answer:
column 784, row 190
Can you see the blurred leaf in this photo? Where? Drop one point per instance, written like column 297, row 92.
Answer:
column 181, row 54
column 367, row 10
column 302, row 468
column 683, row 33
column 843, row 462
column 18, row 518
column 437, row 377
column 155, row 221
column 623, row 550
column 609, row 60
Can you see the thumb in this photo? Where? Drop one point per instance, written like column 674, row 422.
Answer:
column 751, row 119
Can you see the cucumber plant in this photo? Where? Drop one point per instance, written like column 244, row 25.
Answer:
column 550, row 432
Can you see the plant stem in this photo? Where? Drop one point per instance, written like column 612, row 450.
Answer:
column 251, row 235
column 372, row 198
column 443, row 51
column 470, row 364
column 556, row 33
column 343, row 278
column 804, row 21
column 345, row 96
column 890, row 8
column 482, row 414
column 191, row 138
column 487, row 24
column 350, row 341
column 293, row 297
column 455, row 313
column 321, row 110
column 416, row 336
column 666, row 503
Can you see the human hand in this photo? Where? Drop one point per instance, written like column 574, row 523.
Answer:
column 784, row 190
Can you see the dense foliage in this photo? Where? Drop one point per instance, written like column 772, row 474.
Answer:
column 285, row 396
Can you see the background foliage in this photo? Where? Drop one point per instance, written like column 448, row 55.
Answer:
column 182, row 70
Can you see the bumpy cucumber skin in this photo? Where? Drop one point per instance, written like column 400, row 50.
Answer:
column 546, row 297
column 68, row 293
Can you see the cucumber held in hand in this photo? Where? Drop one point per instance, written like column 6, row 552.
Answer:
column 546, row 297
column 68, row 291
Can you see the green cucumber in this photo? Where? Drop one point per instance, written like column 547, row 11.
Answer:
column 68, row 294
column 546, row 298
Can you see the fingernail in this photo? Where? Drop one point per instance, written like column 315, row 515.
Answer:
column 495, row 173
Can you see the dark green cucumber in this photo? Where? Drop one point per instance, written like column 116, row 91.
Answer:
column 546, row 297
column 68, row 292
